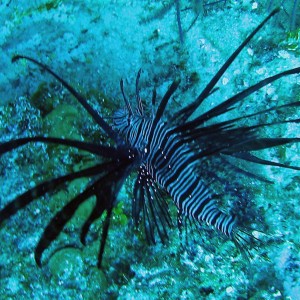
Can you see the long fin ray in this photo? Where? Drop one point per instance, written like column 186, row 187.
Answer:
column 99, row 120
column 227, row 104
column 161, row 108
column 252, row 158
column 45, row 187
column 96, row 213
column 259, row 144
column 101, row 150
column 58, row 222
column 186, row 112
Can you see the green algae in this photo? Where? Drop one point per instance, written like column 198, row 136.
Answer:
column 292, row 41
column 119, row 215
column 20, row 14
column 42, row 100
column 62, row 122
column 49, row 5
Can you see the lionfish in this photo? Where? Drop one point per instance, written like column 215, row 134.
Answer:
column 167, row 156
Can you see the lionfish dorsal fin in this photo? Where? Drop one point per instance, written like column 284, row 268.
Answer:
column 183, row 114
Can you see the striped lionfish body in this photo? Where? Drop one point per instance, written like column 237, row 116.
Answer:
column 168, row 155
column 170, row 162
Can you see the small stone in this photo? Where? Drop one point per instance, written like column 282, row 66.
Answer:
column 225, row 80
column 284, row 54
column 66, row 263
column 229, row 290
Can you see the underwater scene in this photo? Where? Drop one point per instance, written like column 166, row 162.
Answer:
column 150, row 149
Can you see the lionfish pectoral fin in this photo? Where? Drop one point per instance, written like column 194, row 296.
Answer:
column 104, row 202
column 99, row 120
column 183, row 223
column 59, row 221
column 41, row 189
column 106, row 192
column 96, row 213
column 104, row 237
column 241, row 150
column 100, row 150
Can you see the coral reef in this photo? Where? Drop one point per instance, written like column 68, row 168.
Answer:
column 93, row 45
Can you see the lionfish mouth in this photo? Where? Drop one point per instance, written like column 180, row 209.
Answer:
column 173, row 157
